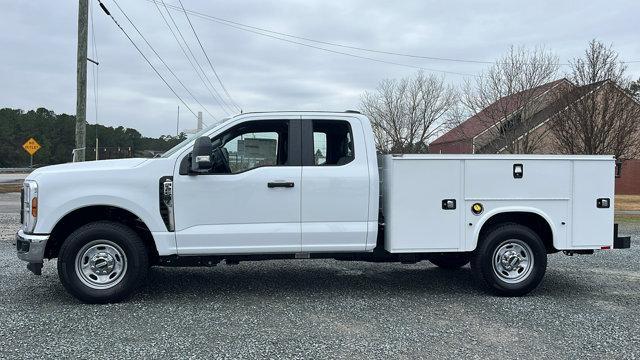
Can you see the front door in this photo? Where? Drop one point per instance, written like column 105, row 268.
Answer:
column 252, row 203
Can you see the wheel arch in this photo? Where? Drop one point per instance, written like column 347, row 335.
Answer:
column 532, row 218
column 84, row 215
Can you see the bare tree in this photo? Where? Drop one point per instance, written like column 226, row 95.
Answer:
column 406, row 113
column 506, row 98
column 634, row 89
column 599, row 117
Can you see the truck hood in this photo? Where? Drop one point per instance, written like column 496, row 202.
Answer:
column 87, row 166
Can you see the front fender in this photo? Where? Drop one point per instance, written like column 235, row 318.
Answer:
column 47, row 223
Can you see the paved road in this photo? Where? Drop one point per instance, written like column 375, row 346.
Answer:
column 10, row 203
column 12, row 178
column 587, row 307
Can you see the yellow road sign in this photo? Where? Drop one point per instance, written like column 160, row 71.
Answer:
column 31, row 146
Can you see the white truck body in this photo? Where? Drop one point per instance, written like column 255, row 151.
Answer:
column 561, row 189
column 317, row 196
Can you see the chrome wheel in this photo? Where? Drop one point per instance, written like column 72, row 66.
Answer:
column 101, row 264
column 513, row 261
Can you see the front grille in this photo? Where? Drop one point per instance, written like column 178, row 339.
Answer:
column 22, row 205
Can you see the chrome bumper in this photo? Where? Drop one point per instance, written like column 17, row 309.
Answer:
column 31, row 247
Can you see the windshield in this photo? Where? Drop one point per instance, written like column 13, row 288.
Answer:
column 175, row 149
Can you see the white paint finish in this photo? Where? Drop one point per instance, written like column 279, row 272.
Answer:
column 129, row 184
column 165, row 242
column 494, row 179
column 372, row 235
column 329, row 236
column 238, row 214
column 335, row 199
column 241, row 238
column 553, row 211
column 415, row 220
column 559, row 189
column 592, row 227
column 232, row 211
column 502, row 157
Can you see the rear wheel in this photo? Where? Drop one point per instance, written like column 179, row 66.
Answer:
column 102, row 262
column 450, row 260
column 510, row 260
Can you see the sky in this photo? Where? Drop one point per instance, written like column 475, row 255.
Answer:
column 39, row 39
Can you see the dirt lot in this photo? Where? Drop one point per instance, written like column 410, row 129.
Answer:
column 587, row 307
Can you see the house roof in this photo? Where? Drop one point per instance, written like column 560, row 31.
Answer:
column 547, row 112
column 476, row 124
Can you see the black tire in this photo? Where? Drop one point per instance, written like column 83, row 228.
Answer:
column 115, row 246
column 450, row 261
column 512, row 281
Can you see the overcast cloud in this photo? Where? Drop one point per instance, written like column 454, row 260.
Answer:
column 38, row 58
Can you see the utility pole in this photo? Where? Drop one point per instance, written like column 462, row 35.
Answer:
column 81, row 89
column 178, row 123
column 199, row 120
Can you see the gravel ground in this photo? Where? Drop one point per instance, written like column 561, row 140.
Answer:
column 587, row 307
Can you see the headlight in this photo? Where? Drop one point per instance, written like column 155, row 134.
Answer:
column 29, row 205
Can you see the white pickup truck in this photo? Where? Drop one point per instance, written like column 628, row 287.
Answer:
column 308, row 185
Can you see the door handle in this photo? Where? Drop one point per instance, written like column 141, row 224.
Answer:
column 283, row 184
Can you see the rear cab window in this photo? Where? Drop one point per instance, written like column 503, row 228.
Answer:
column 332, row 143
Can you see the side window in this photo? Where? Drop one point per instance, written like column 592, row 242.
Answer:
column 252, row 150
column 332, row 143
column 251, row 145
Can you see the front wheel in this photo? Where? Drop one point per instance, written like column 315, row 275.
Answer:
column 510, row 260
column 102, row 262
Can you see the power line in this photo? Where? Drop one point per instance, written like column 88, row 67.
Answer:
column 209, row 18
column 106, row 11
column 162, row 60
column 221, row 101
column 209, row 60
column 184, row 52
column 226, row 21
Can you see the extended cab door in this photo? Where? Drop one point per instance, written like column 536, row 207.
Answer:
column 335, row 185
column 253, row 204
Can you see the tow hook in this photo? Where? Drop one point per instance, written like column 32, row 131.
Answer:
column 35, row 268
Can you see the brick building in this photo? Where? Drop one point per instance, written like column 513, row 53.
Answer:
column 480, row 133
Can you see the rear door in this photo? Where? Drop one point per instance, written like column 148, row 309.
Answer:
column 335, row 185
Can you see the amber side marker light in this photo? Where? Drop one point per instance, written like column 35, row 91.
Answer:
column 34, row 207
column 477, row 209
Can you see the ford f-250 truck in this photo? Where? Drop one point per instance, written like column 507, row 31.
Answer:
column 308, row 185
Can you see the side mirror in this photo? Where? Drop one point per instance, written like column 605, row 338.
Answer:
column 201, row 155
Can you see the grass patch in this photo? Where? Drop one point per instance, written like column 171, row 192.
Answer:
column 627, row 218
column 627, row 202
column 9, row 188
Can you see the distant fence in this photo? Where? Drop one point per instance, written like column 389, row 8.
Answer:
column 15, row 170
column 106, row 153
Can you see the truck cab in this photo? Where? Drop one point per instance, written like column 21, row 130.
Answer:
column 283, row 184
column 306, row 185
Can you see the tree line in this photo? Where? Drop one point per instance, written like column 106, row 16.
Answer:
column 56, row 134
column 408, row 113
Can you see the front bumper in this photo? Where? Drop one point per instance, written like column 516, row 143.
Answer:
column 31, row 247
